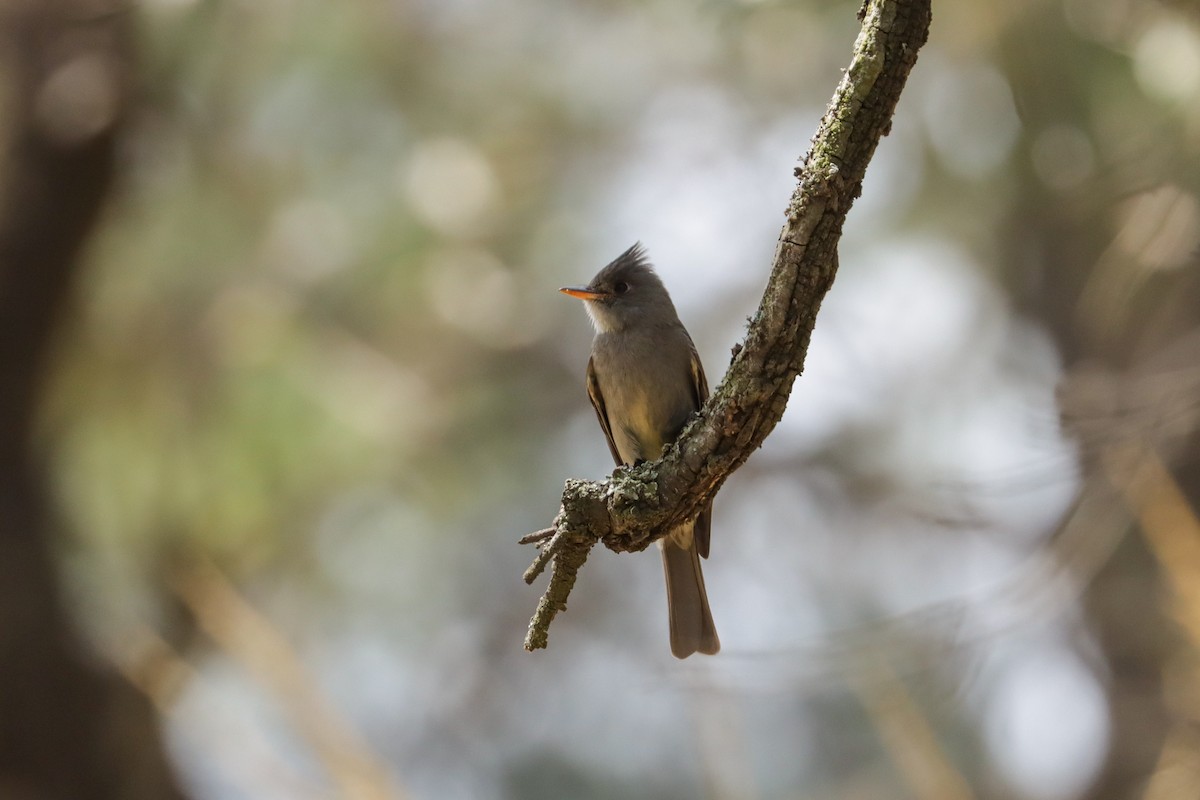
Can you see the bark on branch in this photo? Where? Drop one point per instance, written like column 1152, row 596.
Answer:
column 640, row 504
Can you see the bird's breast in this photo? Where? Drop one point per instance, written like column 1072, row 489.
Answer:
column 647, row 394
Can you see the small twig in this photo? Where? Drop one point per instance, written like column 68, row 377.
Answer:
column 545, row 554
column 537, row 537
column 570, row 553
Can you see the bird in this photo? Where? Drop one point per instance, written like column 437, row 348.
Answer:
column 645, row 380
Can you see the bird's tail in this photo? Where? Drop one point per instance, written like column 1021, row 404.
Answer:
column 692, row 629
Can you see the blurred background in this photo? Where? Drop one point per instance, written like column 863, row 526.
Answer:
column 312, row 379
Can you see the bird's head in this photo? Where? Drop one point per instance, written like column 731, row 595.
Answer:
column 626, row 293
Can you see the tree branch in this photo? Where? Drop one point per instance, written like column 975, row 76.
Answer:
column 638, row 505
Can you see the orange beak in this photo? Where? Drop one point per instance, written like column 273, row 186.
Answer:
column 582, row 292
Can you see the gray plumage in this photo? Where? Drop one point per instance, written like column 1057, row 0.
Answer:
column 645, row 380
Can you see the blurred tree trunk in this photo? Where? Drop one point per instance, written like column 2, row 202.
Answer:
column 1134, row 603
column 1122, row 323
column 69, row 728
column 1124, row 601
column 1127, row 601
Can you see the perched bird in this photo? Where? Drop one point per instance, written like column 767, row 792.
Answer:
column 644, row 380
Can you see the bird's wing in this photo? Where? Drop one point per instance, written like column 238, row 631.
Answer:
column 699, row 382
column 593, row 390
column 703, row 527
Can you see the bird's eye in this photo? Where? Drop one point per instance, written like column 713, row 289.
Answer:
column 620, row 287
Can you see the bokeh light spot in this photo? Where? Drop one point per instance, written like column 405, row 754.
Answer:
column 471, row 290
column 79, row 100
column 971, row 119
column 1063, row 157
column 1048, row 726
column 309, row 239
column 450, row 186
column 1166, row 60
